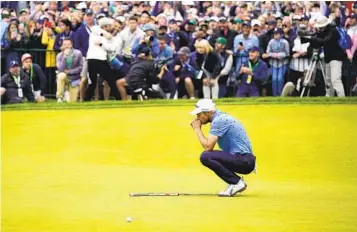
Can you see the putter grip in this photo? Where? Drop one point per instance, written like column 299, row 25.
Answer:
column 152, row 194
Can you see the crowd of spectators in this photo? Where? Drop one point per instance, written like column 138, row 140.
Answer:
column 80, row 51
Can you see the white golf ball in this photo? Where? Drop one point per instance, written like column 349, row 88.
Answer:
column 128, row 219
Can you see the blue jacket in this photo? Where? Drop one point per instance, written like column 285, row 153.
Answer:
column 180, row 39
column 165, row 54
column 154, row 47
column 260, row 73
column 81, row 39
column 60, row 37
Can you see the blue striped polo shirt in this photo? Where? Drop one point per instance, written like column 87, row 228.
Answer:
column 232, row 137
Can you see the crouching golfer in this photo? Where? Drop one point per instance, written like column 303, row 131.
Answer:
column 236, row 155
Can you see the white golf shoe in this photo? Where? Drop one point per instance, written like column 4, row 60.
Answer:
column 233, row 189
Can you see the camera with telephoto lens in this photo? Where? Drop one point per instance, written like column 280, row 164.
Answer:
column 303, row 32
column 148, row 40
column 161, row 62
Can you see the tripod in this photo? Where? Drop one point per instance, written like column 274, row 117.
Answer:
column 309, row 79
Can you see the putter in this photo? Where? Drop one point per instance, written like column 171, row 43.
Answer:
column 173, row 194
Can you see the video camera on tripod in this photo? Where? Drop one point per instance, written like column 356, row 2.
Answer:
column 309, row 79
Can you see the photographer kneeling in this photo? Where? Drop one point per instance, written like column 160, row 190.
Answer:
column 328, row 37
column 142, row 75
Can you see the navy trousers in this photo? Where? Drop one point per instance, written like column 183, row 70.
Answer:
column 226, row 165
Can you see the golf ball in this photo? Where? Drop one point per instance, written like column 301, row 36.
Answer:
column 128, row 219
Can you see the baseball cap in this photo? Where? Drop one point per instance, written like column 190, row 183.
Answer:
column 272, row 22
column 105, row 21
column 246, row 23
column 256, row 22
column 25, row 57
column 24, row 10
column 100, row 15
column 203, row 105
column 353, row 16
column 238, row 20
column 144, row 50
column 221, row 40
column 89, row 12
column 13, row 63
column 184, row 51
column 297, row 17
column 214, row 18
column 192, row 22
column 172, row 21
column 254, row 49
column 149, row 27
column 277, row 31
column 222, row 19
column 81, row 6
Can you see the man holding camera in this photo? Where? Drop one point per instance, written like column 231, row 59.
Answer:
column 327, row 37
column 147, row 40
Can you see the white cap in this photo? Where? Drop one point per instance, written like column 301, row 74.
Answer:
column 188, row 3
column 322, row 21
column 81, row 5
column 256, row 22
column 105, row 21
column 204, row 105
column 214, row 18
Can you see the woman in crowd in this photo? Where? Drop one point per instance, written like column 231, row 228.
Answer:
column 209, row 65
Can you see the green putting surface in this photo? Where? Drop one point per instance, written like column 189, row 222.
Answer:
column 73, row 170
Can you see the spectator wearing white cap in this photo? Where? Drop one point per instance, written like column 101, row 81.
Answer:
column 328, row 37
column 256, row 27
column 97, row 56
column 37, row 76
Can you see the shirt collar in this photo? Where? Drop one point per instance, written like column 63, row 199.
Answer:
column 216, row 114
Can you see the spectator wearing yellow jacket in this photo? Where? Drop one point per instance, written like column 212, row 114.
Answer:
column 48, row 39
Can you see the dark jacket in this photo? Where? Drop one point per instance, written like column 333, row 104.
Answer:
column 228, row 34
column 37, row 78
column 9, row 46
column 180, row 39
column 11, row 94
column 187, row 69
column 264, row 41
column 142, row 74
column 260, row 73
column 60, row 37
column 212, row 63
column 328, row 39
column 81, row 39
